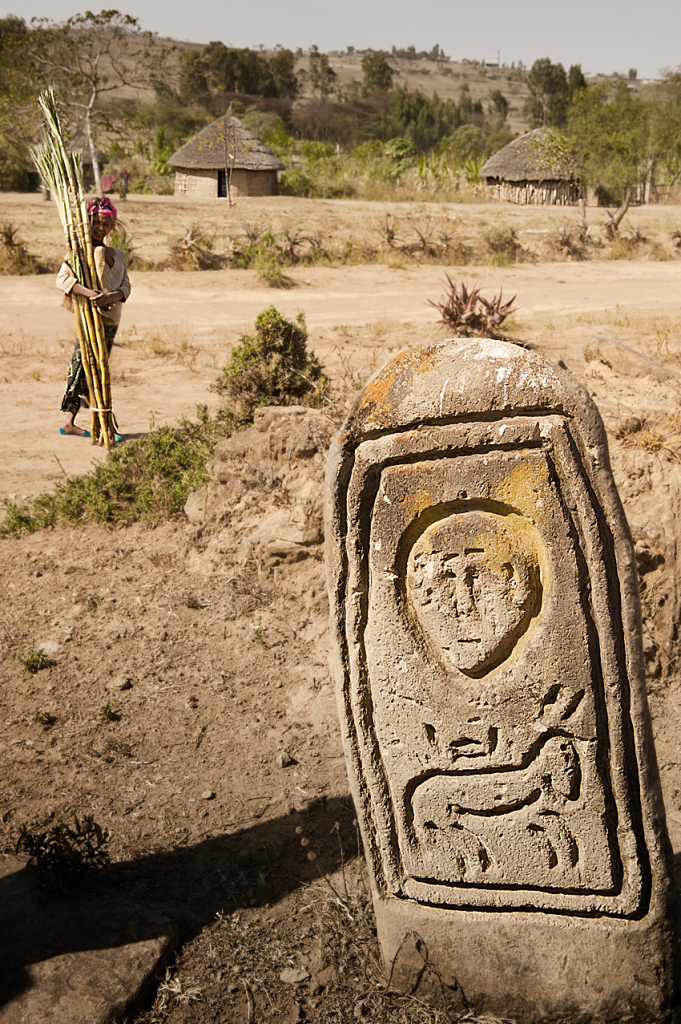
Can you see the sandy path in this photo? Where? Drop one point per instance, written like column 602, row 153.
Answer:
column 215, row 307
column 230, row 299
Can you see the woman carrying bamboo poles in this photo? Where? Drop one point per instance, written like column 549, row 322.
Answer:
column 113, row 275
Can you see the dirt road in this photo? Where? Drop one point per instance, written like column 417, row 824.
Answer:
column 178, row 329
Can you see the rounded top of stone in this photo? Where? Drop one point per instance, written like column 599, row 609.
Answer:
column 460, row 378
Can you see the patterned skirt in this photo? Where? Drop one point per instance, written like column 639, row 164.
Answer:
column 76, row 382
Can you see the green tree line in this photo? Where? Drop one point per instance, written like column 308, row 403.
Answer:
column 621, row 141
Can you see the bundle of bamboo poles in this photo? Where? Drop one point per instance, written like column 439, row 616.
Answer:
column 62, row 174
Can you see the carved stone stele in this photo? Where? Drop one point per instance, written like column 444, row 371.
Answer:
column 485, row 613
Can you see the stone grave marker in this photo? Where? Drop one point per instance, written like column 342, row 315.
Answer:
column 485, row 610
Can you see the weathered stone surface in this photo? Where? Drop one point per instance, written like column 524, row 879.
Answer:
column 484, row 602
column 66, row 960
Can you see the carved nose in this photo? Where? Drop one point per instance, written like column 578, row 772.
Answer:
column 464, row 598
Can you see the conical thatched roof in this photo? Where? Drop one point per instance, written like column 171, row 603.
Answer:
column 226, row 142
column 540, row 155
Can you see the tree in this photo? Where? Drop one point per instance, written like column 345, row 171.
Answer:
column 467, row 141
column 91, row 55
column 470, row 110
column 423, row 121
column 193, row 76
column 222, row 66
column 666, row 122
column 322, row 75
column 499, row 107
column 18, row 111
column 282, row 69
column 547, row 102
column 576, row 80
column 610, row 136
column 378, row 75
column 244, row 70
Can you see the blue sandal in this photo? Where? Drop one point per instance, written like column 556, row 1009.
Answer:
column 71, row 433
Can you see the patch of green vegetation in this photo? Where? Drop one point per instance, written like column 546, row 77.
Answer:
column 151, row 478
column 36, row 660
column 500, row 259
column 147, row 479
column 108, row 713
column 271, row 367
column 62, row 854
column 43, row 718
column 501, row 240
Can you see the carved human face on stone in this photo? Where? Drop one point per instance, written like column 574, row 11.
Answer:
column 473, row 585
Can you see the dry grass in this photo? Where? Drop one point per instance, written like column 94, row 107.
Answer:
column 15, row 259
column 332, row 923
column 168, row 339
column 654, row 438
column 351, row 230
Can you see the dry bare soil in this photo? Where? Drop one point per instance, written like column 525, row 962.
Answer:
column 217, row 768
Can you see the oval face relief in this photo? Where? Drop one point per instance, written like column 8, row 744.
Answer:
column 473, row 587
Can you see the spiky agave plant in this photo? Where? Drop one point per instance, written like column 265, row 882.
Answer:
column 62, row 174
column 468, row 313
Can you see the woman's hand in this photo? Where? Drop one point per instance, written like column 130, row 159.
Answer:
column 105, row 299
column 87, row 293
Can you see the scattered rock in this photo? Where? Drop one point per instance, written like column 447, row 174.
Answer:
column 49, row 647
column 208, row 794
column 294, row 975
column 120, row 682
column 321, row 980
column 286, row 759
column 626, row 360
column 86, row 963
column 631, row 425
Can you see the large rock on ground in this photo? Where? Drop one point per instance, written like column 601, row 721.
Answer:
column 486, row 619
column 67, row 959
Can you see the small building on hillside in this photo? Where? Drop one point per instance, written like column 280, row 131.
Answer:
column 534, row 168
column 225, row 156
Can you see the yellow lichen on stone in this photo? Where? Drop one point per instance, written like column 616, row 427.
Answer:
column 417, row 501
column 527, row 488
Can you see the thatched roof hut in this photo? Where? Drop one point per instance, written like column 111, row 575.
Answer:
column 225, row 155
column 535, row 168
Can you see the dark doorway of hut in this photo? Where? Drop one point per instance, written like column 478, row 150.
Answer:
column 224, row 184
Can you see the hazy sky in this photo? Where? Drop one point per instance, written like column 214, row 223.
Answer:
column 601, row 35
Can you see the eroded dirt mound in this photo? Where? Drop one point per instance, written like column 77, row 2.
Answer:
column 265, row 498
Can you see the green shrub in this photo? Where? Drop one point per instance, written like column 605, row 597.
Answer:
column 501, row 241
column 36, row 660
column 296, row 183
column 269, row 270
column 62, row 854
column 149, row 478
column 272, row 367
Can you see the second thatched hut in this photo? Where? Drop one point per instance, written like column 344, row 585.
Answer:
column 535, row 168
column 223, row 159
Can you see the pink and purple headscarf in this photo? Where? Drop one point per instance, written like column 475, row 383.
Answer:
column 103, row 205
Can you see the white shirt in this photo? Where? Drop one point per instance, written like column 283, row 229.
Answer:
column 113, row 279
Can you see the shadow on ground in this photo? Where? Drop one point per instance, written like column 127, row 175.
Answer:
column 165, row 898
